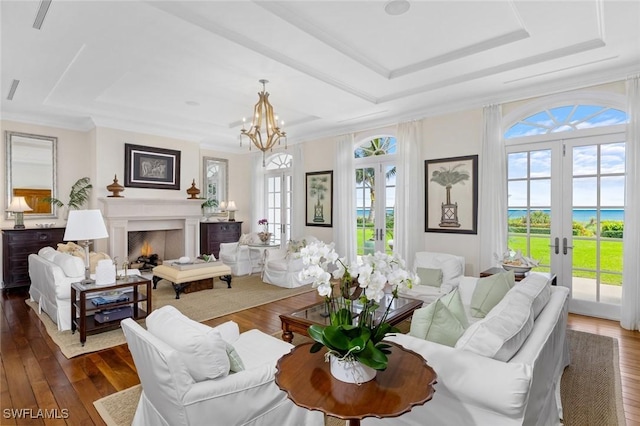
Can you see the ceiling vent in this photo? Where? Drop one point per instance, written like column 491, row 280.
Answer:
column 12, row 90
column 42, row 13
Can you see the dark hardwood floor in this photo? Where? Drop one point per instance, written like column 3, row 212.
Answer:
column 35, row 375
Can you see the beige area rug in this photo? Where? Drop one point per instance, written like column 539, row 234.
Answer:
column 245, row 292
column 594, row 371
column 591, row 388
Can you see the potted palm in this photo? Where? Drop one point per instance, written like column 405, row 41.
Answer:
column 354, row 338
column 78, row 196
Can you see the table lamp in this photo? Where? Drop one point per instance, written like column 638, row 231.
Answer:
column 18, row 206
column 84, row 226
column 231, row 208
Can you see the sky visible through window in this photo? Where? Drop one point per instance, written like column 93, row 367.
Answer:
column 566, row 118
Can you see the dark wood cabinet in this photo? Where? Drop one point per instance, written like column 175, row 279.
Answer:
column 214, row 233
column 17, row 245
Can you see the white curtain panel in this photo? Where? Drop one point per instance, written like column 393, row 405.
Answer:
column 344, row 195
column 298, row 195
column 408, row 233
column 630, row 311
column 492, row 211
column 258, row 210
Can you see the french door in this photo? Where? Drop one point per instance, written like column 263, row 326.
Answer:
column 278, row 190
column 566, row 209
column 375, row 201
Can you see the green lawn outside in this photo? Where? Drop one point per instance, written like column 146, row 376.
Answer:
column 584, row 256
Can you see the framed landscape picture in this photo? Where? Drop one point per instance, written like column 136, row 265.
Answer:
column 319, row 196
column 149, row 167
column 451, row 199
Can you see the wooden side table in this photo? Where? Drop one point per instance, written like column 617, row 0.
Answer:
column 496, row 270
column 305, row 377
column 83, row 310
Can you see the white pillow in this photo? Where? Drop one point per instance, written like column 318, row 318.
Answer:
column 244, row 239
column 203, row 349
column 501, row 334
column 72, row 266
column 538, row 288
column 436, row 323
column 48, row 253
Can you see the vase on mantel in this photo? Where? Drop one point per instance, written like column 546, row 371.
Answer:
column 350, row 370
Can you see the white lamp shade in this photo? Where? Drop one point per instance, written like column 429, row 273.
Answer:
column 19, row 204
column 231, row 206
column 85, row 225
column 223, row 205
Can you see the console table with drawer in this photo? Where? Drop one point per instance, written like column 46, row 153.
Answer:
column 17, row 245
column 214, row 233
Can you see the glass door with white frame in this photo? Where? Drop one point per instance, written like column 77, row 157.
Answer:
column 278, row 184
column 375, row 173
column 566, row 209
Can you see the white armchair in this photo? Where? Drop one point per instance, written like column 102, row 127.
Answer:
column 282, row 266
column 166, row 358
column 238, row 256
column 452, row 271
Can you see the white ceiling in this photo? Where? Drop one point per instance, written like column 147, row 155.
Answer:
column 191, row 69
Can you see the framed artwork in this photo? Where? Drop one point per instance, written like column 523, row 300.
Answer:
column 319, row 195
column 149, row 167
column 451, row 198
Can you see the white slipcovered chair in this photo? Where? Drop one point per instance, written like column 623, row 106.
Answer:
column 282, row 266
column 184, row 371
column 426, row 265
column 238, row 256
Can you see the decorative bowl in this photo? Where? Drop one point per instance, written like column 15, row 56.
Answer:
column 45, row 225
column 517, row 269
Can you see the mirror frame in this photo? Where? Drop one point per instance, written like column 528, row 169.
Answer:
column 9, row 141
column 223, row 162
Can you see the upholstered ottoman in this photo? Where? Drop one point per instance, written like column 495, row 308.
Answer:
column 200, row 275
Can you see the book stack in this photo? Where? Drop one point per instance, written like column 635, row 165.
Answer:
column 105, row 299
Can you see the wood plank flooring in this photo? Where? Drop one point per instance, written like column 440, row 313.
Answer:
column 35, row 375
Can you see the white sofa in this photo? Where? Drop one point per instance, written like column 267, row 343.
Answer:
column 452, row 268
column 52, row 273
column 473, row 389
column 192, row 374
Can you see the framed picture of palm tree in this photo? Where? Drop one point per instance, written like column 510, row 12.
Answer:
column 319, row 194
column 451, row 198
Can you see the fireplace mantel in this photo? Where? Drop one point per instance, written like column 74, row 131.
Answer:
column 144, row 214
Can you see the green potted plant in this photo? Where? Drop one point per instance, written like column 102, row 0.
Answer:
column 354, row 336
column 78, row 196
column 208, row 206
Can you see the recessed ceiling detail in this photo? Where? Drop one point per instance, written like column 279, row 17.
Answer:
column 188, row 69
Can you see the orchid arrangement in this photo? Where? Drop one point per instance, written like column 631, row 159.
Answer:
column 360, row 287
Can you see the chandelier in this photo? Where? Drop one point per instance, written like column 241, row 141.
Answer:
column 264, row 138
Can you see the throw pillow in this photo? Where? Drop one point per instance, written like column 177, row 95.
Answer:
column 538, row 288
column 202, row 347
column 436, row 323
column 48, row 253
column 501, row 334
column 235, row 362
column 489, row 291
column 71, row 266
column 245, row 239
column 453, row 302
column 430, row 276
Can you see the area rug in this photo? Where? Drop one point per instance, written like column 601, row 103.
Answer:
column 245, row 292
column 591, row 388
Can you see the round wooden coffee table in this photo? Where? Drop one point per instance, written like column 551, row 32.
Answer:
column 407, row 381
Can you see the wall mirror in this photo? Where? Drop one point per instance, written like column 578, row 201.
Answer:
column 31, row 172
column 215, row 178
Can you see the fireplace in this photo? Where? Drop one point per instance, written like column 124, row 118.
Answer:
column 174, row 224
column 150, row 248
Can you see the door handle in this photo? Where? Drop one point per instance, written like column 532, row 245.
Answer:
column 564, row 246
column 556, row 246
